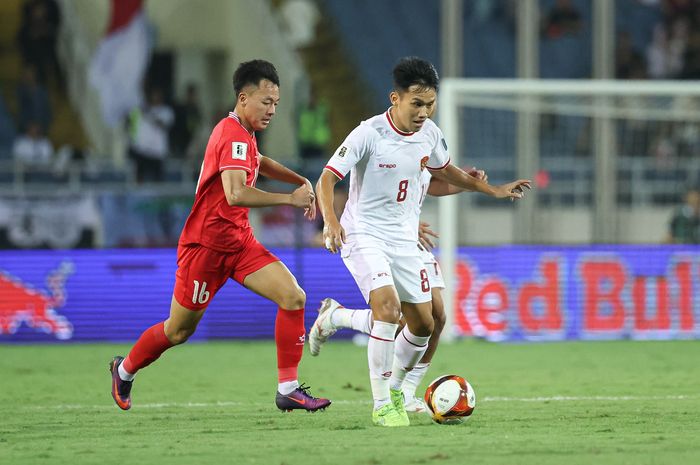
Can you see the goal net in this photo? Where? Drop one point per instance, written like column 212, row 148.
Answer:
column 610, row 160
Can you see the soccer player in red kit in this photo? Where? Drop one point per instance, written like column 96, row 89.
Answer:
column 217, row 243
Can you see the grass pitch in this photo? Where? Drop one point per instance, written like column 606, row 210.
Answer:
column 556, row 403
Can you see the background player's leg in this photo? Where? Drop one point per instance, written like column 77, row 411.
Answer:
column 415, row 376
column 438, row 325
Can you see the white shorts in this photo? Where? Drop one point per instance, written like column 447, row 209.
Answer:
column 375, row 264
column 431, row 264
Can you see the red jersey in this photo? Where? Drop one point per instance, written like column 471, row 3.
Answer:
column 212, row 222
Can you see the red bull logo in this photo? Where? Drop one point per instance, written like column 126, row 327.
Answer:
column 596, row 296
column 21, row 303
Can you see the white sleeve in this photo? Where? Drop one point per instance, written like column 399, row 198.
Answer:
column 351, row 151
column 439, row 158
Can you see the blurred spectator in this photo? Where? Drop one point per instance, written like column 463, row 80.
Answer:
column 300, row 18
column 38, row 35
column 628, row 60
column 188, row 119
column 563, row 19
column 314, row 132
column 684, row 227
column 33, row 101
column 659, row 54
column 691, row 57
column 32, row 148
column 148, row 131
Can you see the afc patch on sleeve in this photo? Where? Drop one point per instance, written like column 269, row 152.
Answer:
column 238, row 150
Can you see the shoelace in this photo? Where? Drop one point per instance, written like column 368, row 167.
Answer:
column 304, row 389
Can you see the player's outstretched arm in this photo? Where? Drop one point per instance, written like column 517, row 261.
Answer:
column 239, row 194
column 333, row 232
column 441, row 188
column 460, row 178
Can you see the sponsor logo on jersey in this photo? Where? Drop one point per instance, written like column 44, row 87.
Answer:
column 342, row 151
column 381, row 274
column 239, row 150
column 387, row 165
column 424, row 162
column 444, row 144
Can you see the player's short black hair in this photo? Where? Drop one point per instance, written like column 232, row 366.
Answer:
column 411, row 71
column 252, row 72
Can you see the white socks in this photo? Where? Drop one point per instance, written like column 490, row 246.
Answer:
column 386, row 355
column 123, row 374
column 380, row 353
column 408, row 352
column 413, row 380
column 359, row 320
column 287, row 387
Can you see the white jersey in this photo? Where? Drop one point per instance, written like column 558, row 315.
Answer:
column 386, row 166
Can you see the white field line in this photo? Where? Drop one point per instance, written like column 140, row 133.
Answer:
column 219, row 404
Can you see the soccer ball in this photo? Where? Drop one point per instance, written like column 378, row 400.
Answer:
column 450, row 399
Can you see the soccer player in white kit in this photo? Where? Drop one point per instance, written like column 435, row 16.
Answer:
column 333, row 316
column 378, row 230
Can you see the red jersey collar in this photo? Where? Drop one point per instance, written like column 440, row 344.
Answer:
column 393, row 126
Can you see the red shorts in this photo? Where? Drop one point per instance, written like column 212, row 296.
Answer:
column 201, row 271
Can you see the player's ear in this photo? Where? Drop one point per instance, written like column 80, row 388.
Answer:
column 242, row 98
column 394, row 98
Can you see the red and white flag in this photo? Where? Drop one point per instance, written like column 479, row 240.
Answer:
column 119, row 64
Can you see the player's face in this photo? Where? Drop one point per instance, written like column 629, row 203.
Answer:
column 259, row 104
column 413, row 107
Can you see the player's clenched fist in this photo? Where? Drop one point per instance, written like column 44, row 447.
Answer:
column 303, row 197
column 333, row 236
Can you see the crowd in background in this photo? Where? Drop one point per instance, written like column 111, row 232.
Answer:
column 172, row 128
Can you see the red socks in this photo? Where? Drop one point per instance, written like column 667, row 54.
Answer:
column 152, row 343
column 289, row 337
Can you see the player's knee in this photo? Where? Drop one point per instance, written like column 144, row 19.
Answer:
column 388, row 311
column 180, row 335
column 424, row 328
column 294, row 299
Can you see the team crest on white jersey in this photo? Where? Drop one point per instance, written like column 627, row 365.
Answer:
column 424, row 162
column 239, row 150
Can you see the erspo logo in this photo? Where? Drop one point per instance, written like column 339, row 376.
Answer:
column 21, row 303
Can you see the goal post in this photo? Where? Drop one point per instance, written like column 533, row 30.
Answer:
column 623, row 125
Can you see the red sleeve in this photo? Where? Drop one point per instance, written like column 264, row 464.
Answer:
column 236, row 151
